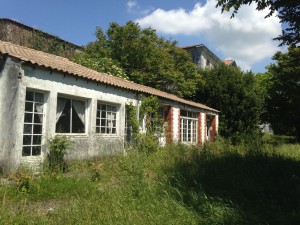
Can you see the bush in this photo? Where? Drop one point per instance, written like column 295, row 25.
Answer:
column 57, row 149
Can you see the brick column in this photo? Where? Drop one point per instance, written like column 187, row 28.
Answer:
column 199, row 129
column 169, row 129
column 214, row 128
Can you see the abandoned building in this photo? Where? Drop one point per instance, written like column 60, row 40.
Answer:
column 17, row 33
column 43, row 95
column 203, row 58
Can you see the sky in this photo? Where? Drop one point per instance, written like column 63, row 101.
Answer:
column 247, row 37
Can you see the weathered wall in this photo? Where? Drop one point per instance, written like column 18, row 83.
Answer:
column 9, row 87
column 202, row 57
column 14, row 32
column 16, row 78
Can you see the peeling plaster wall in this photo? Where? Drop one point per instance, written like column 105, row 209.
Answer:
column 17, row 77
column 176, row 125
column 9, row 87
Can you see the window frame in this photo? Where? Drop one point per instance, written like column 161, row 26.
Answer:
column 189, row 126
column 33, row 124
column 108, row 113
column 76, row 98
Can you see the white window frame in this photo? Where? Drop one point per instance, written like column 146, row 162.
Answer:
column 189, row 127
column 32, row 124
column 85, row 113
column 111, row 121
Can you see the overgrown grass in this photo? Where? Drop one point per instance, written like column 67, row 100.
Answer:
column 217, row 184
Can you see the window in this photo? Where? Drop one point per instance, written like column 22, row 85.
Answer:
column 188, row 126
column 207, row 63
column 33, row 124
column 106, row 119
column 70, row 115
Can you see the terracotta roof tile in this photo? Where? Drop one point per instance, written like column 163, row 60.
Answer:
column 64, row 65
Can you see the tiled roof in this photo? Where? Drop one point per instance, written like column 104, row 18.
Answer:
column 66, row 66
column 228, row 61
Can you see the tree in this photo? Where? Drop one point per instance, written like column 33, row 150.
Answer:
column 146, row 58
column 283, row 105
column 96, row 57
column 237, row 96
column 288, row 13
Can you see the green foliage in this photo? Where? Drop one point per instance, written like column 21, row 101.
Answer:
column 100, row 64
column 221, row 184
column 22, row 178
column 238, row 97
column 132, row 120
column 146, row 58
column 57, row 149
column 286, row 11
column 149, row 109
column 47, row 43
column 146, row 143
column 283, row 104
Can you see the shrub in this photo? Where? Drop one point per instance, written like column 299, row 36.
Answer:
column 57, row 149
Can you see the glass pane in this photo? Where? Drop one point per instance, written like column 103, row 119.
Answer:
column 28, row 118
column 37, row 129
column 183, row 113
column 114, row 116
column 113, row 130
column 103, row 114
column 63, row 123
column 26, row 151
column 27, row 128
column 39, row 97
column 38, row 107
column 36, row 150
column 28, row 106
column 103, row 122
column 102, row 130
column 108, row 108
column 37, row 139
column 114, row 123
column 97, row 122
column 103, row 107
column 38, row 118
column 114, row 108
column 98, row 113
column 77, row 124
column 97, row 129
column 29, row 95
column 27, row 140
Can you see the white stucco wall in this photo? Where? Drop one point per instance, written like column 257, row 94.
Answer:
column 176, row 125
column 16, row 78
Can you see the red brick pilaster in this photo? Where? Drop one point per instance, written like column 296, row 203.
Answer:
column 214, row 128
column 169, row 129
column 199, row 129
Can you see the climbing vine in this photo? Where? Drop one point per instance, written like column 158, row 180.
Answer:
column 149, row 108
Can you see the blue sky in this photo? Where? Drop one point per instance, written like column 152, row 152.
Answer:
column 247, row 38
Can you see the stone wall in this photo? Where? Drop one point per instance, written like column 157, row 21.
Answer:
column 17, row 33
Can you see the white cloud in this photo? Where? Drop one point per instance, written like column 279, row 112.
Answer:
column 131, row 4
column 134, row 7
column 247, row 37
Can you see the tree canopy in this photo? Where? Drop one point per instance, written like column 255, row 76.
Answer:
column 145, row 58
column 283, row 102
column 288, row 13
column 238, row 97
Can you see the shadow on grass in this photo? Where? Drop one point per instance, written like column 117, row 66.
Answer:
column 264, row 188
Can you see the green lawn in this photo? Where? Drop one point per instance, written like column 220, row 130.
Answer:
column 217, row 184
